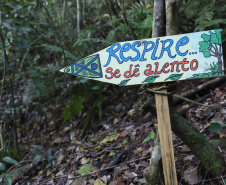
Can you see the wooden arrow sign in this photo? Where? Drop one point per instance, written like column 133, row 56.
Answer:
column 170, row 58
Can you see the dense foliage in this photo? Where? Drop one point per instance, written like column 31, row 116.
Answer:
column 40, row 37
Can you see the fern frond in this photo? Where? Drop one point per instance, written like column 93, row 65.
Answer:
column 205, row 24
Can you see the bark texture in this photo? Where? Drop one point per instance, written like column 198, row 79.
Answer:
column 159, row 19
column 172, row 17
column 152, row 175
column 79, row 15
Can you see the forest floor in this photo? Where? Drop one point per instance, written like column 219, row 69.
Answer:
column 116, row 149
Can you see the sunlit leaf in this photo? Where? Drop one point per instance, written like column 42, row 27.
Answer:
column 152, row 134
column 87, row 168
column 125, row 142
column 111, row 154
column 111, row 138
column 99, row 182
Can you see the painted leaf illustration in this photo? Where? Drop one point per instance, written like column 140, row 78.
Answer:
column 218, row 32
column 213, row 38
column 204, row 46
column 206, row 37
column 206, row 54
column 150, row 79
column 124, row 82
column 174, row 77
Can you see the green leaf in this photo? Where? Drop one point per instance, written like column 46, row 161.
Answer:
column 214, row 127
column 205, row 37
column 2, row 166
column 99, row 182
column 150, row 79
column 11, row 161
column 174, row 77
column 2, row 175
column 214, row 39
column 124, row 82
column 152, row 134
column 203, row 46
column 125, row 142
column 206, row 54
column 37, row 158
column 87, row 168
column 205, row 24
column 111, row 154
column 37, row 149
column 111, row 138
column 216, row 119
column 7, row 180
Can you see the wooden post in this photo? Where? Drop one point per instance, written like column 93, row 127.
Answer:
column 165, row 136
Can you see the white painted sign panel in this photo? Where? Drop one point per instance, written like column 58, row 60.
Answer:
column 162, row 59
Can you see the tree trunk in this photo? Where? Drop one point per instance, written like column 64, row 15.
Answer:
column 79, row 15
column 159, row 19
column 198, row 144
column 219, row 68
column 172, row 17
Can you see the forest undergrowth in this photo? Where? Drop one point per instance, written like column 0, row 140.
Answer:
column 61, row 129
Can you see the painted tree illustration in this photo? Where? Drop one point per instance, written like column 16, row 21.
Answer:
column 212, row 47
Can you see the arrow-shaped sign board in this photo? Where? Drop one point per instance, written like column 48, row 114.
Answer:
column 170, row 58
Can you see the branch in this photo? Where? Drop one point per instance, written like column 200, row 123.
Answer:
column 210, row 84
column 158, row 26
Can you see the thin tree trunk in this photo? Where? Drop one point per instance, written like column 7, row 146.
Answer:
column 172, row 17
column 84, row 10
column 159, row 20
column 79, row 16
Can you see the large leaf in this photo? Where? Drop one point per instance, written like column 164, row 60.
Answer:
column 214, row 127
column 7, row 181
column 203, row 46
column 11, row 161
